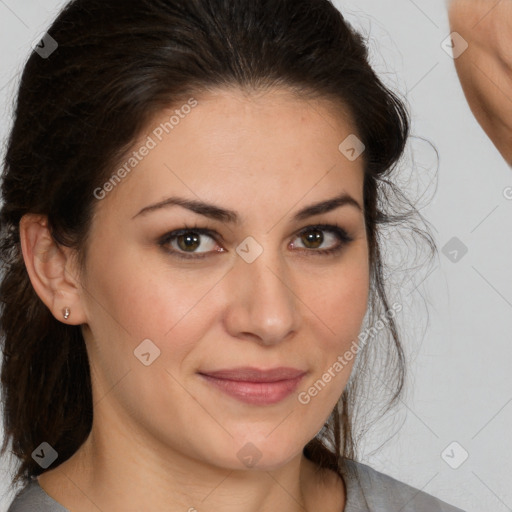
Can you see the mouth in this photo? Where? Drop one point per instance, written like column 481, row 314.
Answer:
column 255, row 386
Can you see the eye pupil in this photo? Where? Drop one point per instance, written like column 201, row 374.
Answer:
column 314, row 236
column 189, row 238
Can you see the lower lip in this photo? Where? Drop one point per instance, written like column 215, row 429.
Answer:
column 258, row 393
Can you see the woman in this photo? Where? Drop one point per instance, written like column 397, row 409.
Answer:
column 192, row 192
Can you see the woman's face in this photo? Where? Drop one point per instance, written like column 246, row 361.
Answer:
column 251, row 293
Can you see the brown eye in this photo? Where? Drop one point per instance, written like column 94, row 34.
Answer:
column 188, row 241
column 185, row 242
column 313, row 238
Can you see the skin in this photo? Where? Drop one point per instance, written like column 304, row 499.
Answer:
column 485, row 68
column 162, row 439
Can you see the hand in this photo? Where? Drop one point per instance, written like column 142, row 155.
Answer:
column 485, row 68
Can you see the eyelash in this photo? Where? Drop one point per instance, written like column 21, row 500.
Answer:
column 343, row 237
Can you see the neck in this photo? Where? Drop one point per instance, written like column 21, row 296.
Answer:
column 124, row 470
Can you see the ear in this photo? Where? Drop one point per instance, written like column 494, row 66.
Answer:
column 52, row 269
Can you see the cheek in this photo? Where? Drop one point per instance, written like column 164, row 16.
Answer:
column 138, row 298
column 130, row 304
column 339, row 296
column 342, row 302
column 174, row 308
column 336, row 312
column 142, row 296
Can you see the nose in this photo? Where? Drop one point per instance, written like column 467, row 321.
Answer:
column 262, row 302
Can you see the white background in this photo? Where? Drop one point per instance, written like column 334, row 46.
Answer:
column 460, row 385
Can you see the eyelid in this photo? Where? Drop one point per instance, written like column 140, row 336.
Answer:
column 339, row 232
column 172, row 235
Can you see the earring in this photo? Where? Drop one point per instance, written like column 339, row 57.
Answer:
column 66, row 312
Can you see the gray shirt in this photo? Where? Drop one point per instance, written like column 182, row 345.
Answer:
column 371, row 492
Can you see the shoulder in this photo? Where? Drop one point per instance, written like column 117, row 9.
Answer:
column 369, row 490
column 32, row 498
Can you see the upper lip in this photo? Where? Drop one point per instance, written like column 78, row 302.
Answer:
column 252, row 374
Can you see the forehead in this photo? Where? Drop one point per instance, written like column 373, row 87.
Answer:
column 229, row 145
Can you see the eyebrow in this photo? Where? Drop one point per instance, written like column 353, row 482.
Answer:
column 229, row 216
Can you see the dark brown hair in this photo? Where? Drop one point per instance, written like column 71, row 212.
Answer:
column 78, row 111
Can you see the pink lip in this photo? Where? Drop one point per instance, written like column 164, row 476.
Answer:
column 252, row 374
column 254, row 386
